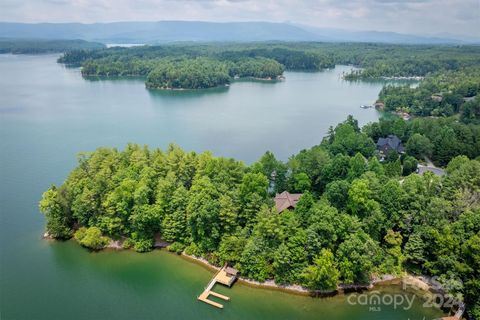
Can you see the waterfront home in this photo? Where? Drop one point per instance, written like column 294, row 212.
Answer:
column 286, row 200
column 385, row 145
column 437, row 97
column 379, row 105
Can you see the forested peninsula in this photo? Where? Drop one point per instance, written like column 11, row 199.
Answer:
column 357, row 217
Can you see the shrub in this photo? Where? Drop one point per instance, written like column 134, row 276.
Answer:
column 80, row 234
column 176, row 247
column 143, row 245
column 128, row 243
column 193, row 250
column 91, row 238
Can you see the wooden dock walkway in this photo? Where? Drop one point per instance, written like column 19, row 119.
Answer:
column 223, row 277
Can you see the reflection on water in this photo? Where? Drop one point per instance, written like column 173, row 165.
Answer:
column 114, row 79
column 161, row 93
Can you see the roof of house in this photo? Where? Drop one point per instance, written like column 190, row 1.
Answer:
column 391, row 142
column 231, row 271
column 286, row 200
column 379, row 105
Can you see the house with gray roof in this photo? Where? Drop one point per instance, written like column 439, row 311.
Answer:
column 385, row 145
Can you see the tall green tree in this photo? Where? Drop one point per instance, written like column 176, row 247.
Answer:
column 323, row 274
column 203, row 211
column 54, row 207
column 419, row 146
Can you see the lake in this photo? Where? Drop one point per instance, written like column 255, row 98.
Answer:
column 49, row 113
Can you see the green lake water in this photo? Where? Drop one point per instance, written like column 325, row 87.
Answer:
column 48, row 113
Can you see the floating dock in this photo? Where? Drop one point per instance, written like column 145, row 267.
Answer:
column 225, row 276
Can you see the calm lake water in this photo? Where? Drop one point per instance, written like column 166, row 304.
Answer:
column 48, row 113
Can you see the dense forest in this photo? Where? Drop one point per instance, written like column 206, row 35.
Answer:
column 439, row 94
column 439, row 139
column 409, row 60
column 192, row 73
column 186, row 73
column 38, row 46
column 358, row 217
column 376, row 60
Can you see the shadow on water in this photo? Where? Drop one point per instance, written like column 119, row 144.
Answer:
column 193, row 93
column 124, row 267
column 113, row 78
column 70, row 65
column 260, row 81
column 397, row 82
column 147, row 272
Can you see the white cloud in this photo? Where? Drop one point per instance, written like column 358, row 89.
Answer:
column 407, row 16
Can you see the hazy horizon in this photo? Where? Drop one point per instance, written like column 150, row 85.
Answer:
column 416, row 17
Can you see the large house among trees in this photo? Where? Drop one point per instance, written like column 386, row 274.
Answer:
column 390, row 143
column 286, row 200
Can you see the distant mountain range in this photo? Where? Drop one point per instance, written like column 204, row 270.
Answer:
column 171, row 31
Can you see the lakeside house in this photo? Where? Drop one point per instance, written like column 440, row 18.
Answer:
column 404, row 115
column 385, row 145
column 286, row 200
column 437, row 97
column 421, row 169
column 379, row 105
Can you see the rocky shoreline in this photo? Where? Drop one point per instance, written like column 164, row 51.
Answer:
column 418, row 283
column 299, row 290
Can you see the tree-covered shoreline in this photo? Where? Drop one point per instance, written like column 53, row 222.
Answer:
column 439, row 94
column 186, row 73
column 357, row 217
column 376, row 61
column 43, row 46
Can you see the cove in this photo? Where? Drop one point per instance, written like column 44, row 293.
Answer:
column 126, row 285
column 48, row 113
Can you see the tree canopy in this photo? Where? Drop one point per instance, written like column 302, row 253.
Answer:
column 357, row 217
column 269, row 60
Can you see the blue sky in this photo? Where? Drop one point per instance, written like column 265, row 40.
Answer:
column 431, row 17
